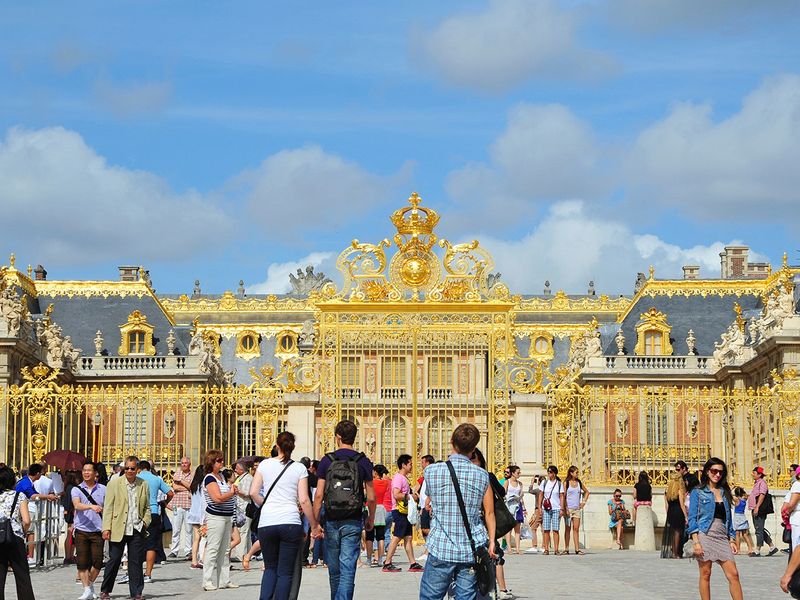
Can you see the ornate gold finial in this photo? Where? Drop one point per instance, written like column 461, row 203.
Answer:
column 12, row 260
column 30, row 271
column 47, row 312
column 785, row 260
column 652, row 272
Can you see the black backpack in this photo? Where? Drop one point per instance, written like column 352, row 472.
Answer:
column 344, row 488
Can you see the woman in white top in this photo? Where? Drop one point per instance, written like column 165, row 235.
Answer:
column 279, row 485
column 576, row 496
column 793, row 508
column 197, row 515
column 515, row 506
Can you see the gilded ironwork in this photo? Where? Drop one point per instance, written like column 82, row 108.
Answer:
column 653, row 322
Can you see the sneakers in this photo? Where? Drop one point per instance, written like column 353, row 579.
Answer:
column 390, row 568
column 505, row 595
column 87, row 594
column 230, row 586
column 172, row 555
column 416, row 568
column 31, row 562
column 105, row 596
column 209, row 588
column 148, row 579
column 533, row 550
column 772, row 552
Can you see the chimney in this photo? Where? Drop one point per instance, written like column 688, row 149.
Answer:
column 733, row 262
column 128, row 273
column 39, row 273
column 691, row 272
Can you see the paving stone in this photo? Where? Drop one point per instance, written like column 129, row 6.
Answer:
column 598, row 575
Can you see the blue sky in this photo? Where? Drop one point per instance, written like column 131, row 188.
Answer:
column 576, row 140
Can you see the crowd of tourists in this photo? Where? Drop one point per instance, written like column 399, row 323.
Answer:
column 308, row 514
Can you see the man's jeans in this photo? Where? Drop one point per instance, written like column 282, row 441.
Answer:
column 342, row 549
column 439, row 575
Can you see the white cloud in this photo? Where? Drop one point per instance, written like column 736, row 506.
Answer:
column 545, row 153
column 277, row 281
column 724, row 169
column 307, row 189
column 506, row 44
column 65, row 204
column 134, row 97
column 572, row 246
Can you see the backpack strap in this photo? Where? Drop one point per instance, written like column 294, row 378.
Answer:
column 357, row 457
column 13, row 504
column 331, row 456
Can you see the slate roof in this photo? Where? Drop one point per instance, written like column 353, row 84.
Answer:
column 708, row 317
column 81, row 317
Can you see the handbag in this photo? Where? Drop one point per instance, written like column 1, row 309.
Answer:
column 504, row 521
column 6, row 530
column 688, row 549
column 413, row 512
column 546, row 504
column 787, row 533
column 483, row 565
column 380, row 516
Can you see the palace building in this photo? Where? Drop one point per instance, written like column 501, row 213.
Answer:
column 419, row 335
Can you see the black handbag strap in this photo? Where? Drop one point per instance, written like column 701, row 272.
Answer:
column 276, row 481
column 462, row 507
column 13, row 505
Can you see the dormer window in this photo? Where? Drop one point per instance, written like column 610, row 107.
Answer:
column 652, row 334
column 137, row 336
column 247, row 345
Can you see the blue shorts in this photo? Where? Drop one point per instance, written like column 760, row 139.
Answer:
column 402, row 528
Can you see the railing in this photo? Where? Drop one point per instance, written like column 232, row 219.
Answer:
column 42, row 538
column 398, row 393
column 97, row 364
column 350, row 393
column 657, row 362
column 665, row 454
column 440, row 393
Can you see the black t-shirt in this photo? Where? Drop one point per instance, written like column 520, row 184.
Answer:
column 644, row 492
column 719, row 511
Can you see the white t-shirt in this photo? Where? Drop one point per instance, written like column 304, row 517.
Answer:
column 794, row 518
column 43, row 485
column 58, row 483
column 551, row 490
column 281, row 506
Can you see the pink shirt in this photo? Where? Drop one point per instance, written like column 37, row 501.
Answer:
column 399, row 482
column 759, row 488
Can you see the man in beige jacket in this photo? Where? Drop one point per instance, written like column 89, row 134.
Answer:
column 126, row 515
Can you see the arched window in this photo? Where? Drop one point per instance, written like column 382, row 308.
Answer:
column 438, row 436
column 286, row 343
column 393, row 439
column 247, row 345
column 136, row 336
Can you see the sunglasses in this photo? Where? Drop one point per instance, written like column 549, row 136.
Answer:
column 129, row 469
column 219, row 460
column 716, row 472
column 617, row 497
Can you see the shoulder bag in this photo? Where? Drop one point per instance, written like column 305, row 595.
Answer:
column 6, row 530
column 484, row 566
column 546, row 504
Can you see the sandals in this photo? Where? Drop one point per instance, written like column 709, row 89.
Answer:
column 546, row 552
column 580, row 552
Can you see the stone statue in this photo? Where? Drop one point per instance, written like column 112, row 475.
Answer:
column 754, row 330
column 779, row 306
column 70, row 354
column 692, row 423
column 196, row 293
column 730, row 349
column 547, row 291
column 209, row 362
column 690, row 343
column 591, row 290
column 593, row 344
column 11, row 311
column 641, row 278
column 98, row 343
column 305, row 283
column 620, row 341
column 171, row 339
column 492, row 278
column 305, row 341
column 240, row 291
column 622, row 424
column 169, row 424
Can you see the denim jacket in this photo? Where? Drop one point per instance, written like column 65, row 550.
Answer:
column 701, row 512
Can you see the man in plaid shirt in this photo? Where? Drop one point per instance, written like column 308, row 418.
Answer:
column 180, row 505
column 450, row 556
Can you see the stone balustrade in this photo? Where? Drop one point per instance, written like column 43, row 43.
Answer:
column 137, row 365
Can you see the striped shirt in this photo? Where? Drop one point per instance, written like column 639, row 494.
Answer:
column 448, row 539
column 221, row 509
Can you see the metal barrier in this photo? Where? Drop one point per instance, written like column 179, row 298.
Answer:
column 44, row 534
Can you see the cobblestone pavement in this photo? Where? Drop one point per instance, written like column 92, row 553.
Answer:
column 598, row 575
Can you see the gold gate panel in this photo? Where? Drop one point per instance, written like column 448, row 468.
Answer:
column 614, row 433
column 157, row 423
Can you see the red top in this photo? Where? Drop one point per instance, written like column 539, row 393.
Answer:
column 382, row 495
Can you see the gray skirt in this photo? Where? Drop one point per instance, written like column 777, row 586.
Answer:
column 715, row 543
